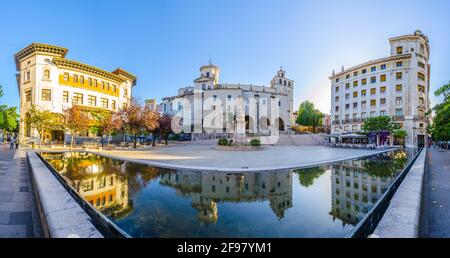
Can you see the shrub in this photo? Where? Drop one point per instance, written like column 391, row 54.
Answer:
column 223, row 142
column 230, row 142
column 255, row 142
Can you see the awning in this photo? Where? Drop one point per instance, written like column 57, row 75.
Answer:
column 353, row 135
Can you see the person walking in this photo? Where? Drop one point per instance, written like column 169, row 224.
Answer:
column 11, row 147
column 17, row 142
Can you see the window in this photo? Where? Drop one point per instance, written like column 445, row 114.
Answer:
column 336, row 99
column 336, row 118
column 104, row 102
column 363, row 115
column 114, row 88
column 383, row 102
column 382, row 113
column 337, row 80
column 27, row 76
column 355, row 104
column 363, row 93
column 364, row 71
column 398, row 87
column 82, row 79
column 398, row 112
column 373, row 69
column 421, row 88
column 355, row 83
column 383, row 77
column 364, row 81
column 355, row 73
column 383, row 67
column 373, row 79
column 27, row 95
column 77, row 99
column 95, row 83
column 421, row 101
column 421, row 76
column 347, row 86
column 336, row 108
column 107, row 86
column 363, row 104
column 92, row 100
column 75, row 78
column 383, row 89
column 347, row 96
column 124, row 105
column 398, row 101
column 373, row 114
column 355, row 116
column 125, row 92
column 113, row 104
column 347, row 107
column 355, row 94
column 398, row 76
column 373, row 91
column 399, row 64
column 65, row 96
column 46, row 95
column 421, row 65
column 399, row 50
column 347, row 76
column 337, row 89
column 66, row 77
column 47, row 74
column 373, row 102
column 89, row 81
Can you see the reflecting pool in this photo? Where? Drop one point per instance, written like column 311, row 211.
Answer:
column 146, row 201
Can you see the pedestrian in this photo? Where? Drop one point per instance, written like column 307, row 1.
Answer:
column 17, row 142
column 11, row 147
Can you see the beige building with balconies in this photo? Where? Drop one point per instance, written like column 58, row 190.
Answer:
column 396, row 86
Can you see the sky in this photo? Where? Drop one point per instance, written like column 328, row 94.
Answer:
column 165, row 42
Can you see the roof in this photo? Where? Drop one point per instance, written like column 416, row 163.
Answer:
column 204, row 79
column 40, row 48
column 381, row 60
column 208, row 66
column 66, row 63
column 128, row 75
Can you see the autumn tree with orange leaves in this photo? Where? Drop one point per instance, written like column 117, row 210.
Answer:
column 76, row 120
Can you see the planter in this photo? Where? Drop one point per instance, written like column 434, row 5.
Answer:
column 239, row 148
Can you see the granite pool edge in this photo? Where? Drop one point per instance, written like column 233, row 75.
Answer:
column 61, row 216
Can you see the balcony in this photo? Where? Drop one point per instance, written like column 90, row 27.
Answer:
column 420, row 118
column 398, row 118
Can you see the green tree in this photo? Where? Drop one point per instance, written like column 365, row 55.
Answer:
column 42, row 120
column 307, row 176
column 308, row 115
column 441, row 122
column 400, row 134
column 379, row 124
column 8, row 117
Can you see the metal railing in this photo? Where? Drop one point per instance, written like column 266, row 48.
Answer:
column 100, row 221
column 367, row 225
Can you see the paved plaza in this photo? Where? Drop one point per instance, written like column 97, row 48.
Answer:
column 18, row 212
column 438, row 194
column 206, row 156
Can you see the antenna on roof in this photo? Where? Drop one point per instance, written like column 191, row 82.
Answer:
column 210, row 59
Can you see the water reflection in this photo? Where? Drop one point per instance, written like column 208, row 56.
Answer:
column 153, row 202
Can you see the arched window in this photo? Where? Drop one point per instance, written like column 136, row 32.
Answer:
column 75, row 78
column 47, row 74
column 284, row 83
column 207, row 74
column 279, row 81
column 66, row 77
column 203, row 86
column 90, row 81
column 82, row 79
column 27, row 76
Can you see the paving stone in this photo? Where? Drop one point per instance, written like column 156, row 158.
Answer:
column 20, row 218
column 16, row 231
column 24, row 189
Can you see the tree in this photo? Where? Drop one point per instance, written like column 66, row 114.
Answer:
column 151, row 121
column 8, row 116
column 42, row 120
column 106, row 123
column 441, row 122
column 379, row 124
column 76, row 120
column 400, row 134
column 308, row 115
column 165, row 127
column 133, row 122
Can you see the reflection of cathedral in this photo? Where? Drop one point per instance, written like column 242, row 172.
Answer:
column 104, row 187
column 354, row 191
column 206, row 189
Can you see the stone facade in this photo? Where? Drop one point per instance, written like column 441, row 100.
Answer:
column 396, row 86
column 213, row 107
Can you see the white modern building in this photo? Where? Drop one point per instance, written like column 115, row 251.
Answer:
column 50, row 81
column 209, row 96
column 396, row 86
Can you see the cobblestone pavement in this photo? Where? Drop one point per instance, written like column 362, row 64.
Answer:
column 438, row 194
column 18, row 212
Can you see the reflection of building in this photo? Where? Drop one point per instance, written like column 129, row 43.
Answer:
column 395, row 86
column 209, row 96
column 47, row 79
column 104, row 187
column 354, row 191
column 206, row 189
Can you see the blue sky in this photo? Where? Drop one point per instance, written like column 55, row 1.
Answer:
column 164, row 42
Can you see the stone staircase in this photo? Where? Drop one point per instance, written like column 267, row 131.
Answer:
column 301, row 140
